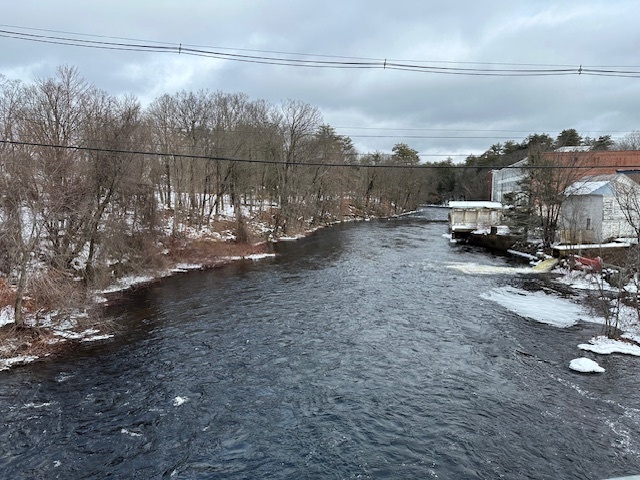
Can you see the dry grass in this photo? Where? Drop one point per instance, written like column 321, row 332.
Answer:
column 29, row 341
column 7, row 294
column 211, row 253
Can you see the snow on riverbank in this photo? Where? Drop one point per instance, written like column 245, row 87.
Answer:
column 560, row 312
column 580, row 280
column 539, row 306
column 606, row 346
column 57, row 332
column 70, row 329
column 7, row 363
column 126, row 283
column 563, row 312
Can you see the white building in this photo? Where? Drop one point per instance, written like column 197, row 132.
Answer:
column 466, row 217
column 507, row 180
column 592, row 212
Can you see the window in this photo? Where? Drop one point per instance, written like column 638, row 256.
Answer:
column 588, row 224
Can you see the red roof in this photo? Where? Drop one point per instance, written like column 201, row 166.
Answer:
column 598, row 162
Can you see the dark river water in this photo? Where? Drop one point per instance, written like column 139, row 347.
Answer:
column 355, row 353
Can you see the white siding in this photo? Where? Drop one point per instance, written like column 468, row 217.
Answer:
column 614, row 224
column 506, row 180
column 581, row 220
column 595, row 217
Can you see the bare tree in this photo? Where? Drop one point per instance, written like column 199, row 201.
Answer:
column 631, row 141
column 162, row 135
column 54, row 115
column 545, row 185
column 297, row 122
column 628, row 199
column 116, row 181
column 20, row 225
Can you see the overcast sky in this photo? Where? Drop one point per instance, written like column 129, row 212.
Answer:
column 377, row 107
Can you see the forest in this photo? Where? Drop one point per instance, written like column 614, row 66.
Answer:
column 95, row 186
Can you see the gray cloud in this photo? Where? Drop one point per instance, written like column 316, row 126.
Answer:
column 595, row 33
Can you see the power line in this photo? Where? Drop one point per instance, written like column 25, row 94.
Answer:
column 321, row 61
column 200, row 157
column 440, row 137
column 504, row 138
column 303, row 164
column 496, row 130
column 296, row 53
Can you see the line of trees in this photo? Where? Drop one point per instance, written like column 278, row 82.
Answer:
column 541, row 192
column 471, row 181
column 71, row 216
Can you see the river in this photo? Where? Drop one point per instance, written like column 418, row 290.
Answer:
column 354, row 353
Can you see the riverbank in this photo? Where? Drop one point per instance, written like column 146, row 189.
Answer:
column 51, row 332
column 593, row 300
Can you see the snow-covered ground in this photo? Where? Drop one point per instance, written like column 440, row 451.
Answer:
column 68, row 329
column 128, row 282
column 540, row 306
column 61, row 330
column 562, row 312
column 605, row 346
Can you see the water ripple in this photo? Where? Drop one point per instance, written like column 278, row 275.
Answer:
column 356, row 353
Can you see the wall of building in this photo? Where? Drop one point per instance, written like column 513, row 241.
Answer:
column 581, row 219
column 593, row 219
column 614, row 223
column 469, row 219
column 598, row 162
column 504, row 181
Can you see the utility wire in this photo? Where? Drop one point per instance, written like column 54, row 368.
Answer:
column 200, row 157
column 493, row 130
column 304, row 164
column 504, row 138
column 296, row 53
column 320, row 61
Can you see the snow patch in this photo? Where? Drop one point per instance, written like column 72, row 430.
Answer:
column 7, row 316
column 185, row 267
column 128, row 282
column 539, row 306
column 179, row 401
column 290, row 238
column 585, row 365
column 606, row 346
column 259, row 256
column 584, row 281
column 7, row 363
column 96, row 338
column 477, row 269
